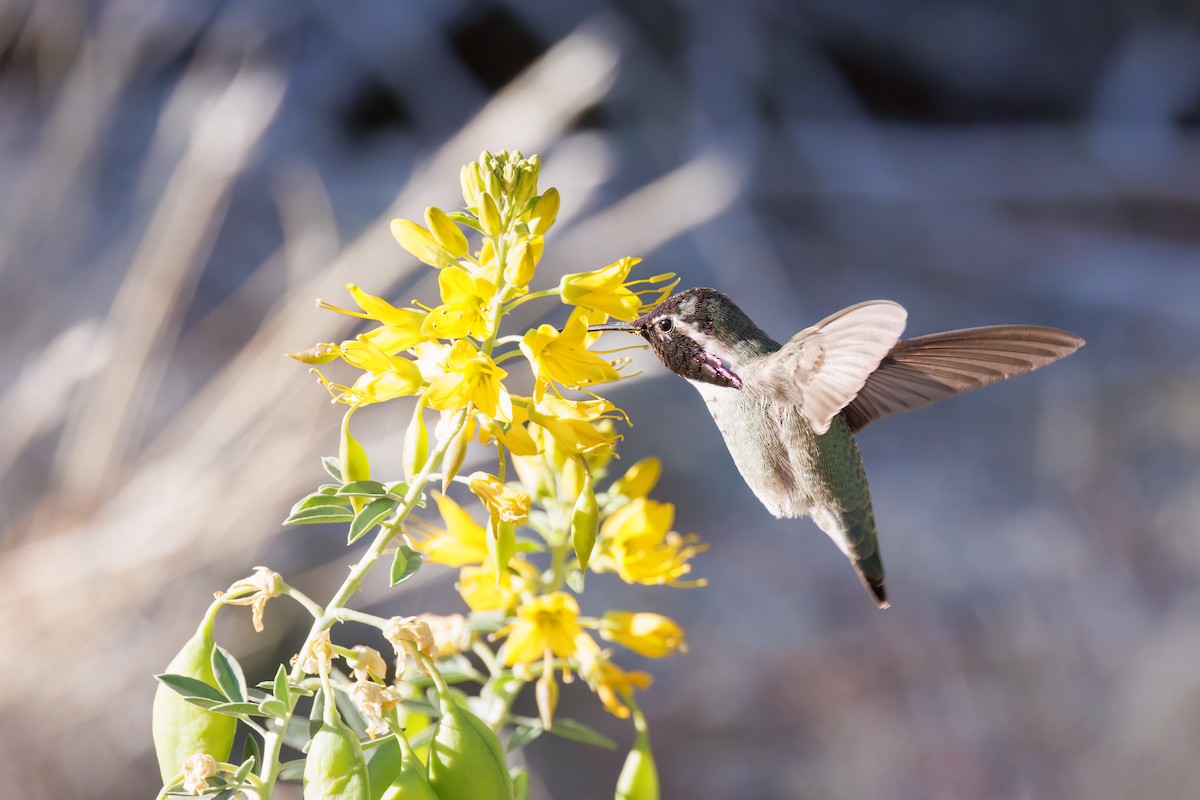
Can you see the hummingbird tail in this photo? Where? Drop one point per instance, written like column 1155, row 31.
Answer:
column 870, row 571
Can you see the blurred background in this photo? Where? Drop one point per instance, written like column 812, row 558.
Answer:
column 183, row 179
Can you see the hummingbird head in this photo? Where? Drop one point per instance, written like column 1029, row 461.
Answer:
column 699, row 334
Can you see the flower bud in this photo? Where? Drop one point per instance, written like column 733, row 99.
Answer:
column 416, row 444
column 527, row 180
column 544, row 213
column 647, row 634
column 420, row 243
column 180, row 729
column 447, row 234
column 519, row 265
column 466, row 760
column 491, row 185
column 585, row 523
column 489, row 215
column 471, row 185
column 317, row 354
column 547, row 696
column 455, row 453
column 638, row 480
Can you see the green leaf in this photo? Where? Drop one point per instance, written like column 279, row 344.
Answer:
column 296, row 735
column 465, row 219
column 190, row 688
column 333, row 465
column 371, row 515
column 396, row 489
column 318, row 499
column 246, row 766
column 420, row 707
column 251, row 752
column 228, row 672
column 273, row 708
column 577, row 731
column 236, row 709
column 405, row 564
column 225, row 794
column 291, row 770
column 363, row 489
column 523, row 735
column 204, row 702
column 282, row 691
column 310, row 516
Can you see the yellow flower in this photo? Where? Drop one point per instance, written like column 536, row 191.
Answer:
column 637, row 543
column 400, row 379
column 480, row 591
column 650, row 635
column 400, row 327
column 502, row 501
column 563, row 356
column 515, row 437
column 420, row 242
column 463, row 541
column 606, row 290
column 544, row 623
column 608, row 681
column 470, row 377
column 464, row 309
column 571, row 423
column 638, row 480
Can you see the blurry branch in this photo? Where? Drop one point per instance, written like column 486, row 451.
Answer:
column 84, row 106
column 147, row 310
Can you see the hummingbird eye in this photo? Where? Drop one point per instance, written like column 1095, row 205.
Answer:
column 666, row 324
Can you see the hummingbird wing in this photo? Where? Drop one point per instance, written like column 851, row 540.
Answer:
column 926, row 369
column 832, row 360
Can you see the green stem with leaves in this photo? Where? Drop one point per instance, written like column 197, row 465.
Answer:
column 273, row 741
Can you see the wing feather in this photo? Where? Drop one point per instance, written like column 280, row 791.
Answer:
column 926, row 369
column 832, row 360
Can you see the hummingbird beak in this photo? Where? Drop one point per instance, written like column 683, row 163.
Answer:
column 624, row 327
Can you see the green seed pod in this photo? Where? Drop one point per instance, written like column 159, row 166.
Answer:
column 585, row 523
column 466, row 760
column 520, row 778
column 181, row 729
column 639, row 776
column 335, row 768
column 416, row 444
column 409, row 782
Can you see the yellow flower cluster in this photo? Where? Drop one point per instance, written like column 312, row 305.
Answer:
column 449, row 358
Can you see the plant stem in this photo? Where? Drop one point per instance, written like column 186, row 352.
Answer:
column 273, row 740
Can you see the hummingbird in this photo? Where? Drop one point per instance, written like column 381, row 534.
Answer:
column 789, row 412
